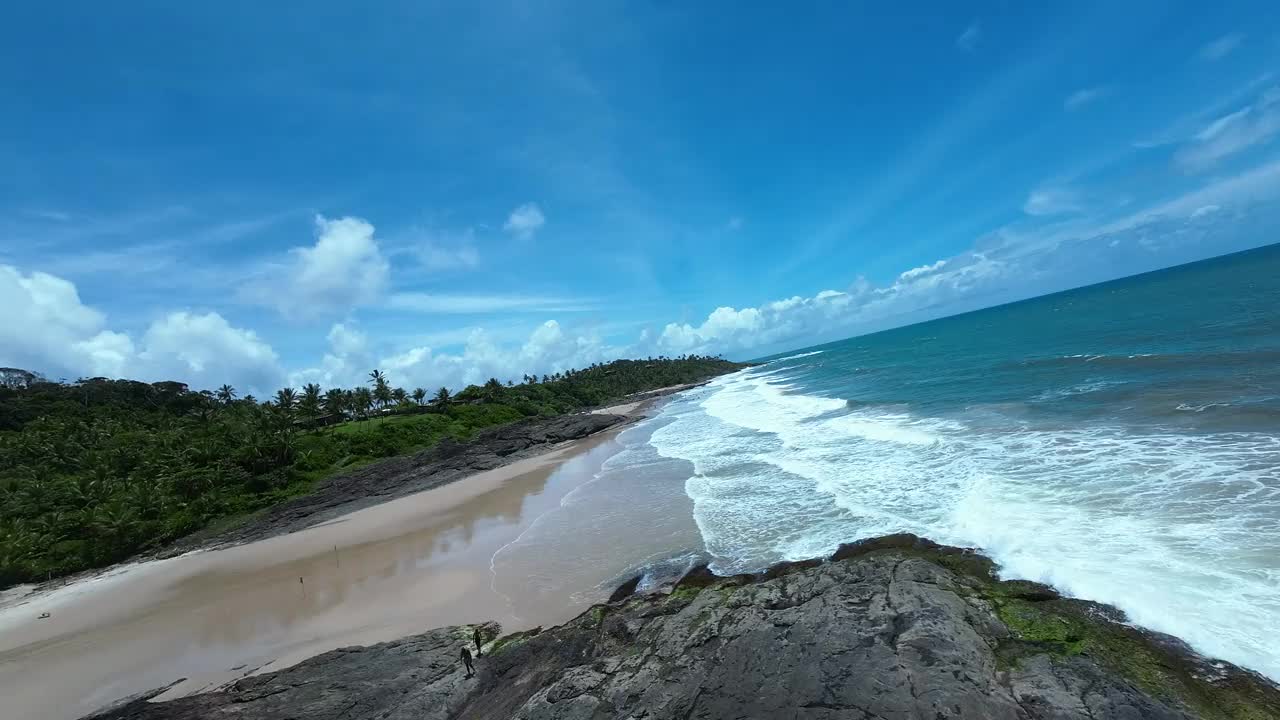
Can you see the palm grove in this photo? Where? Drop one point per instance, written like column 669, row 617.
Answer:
column 96, row 470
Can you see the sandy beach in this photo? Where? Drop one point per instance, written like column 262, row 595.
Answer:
column 441, row 557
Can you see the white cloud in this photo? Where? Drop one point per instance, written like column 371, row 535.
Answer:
column 444, row 249
column 968, row 39
column 345, row 364
column 1051, row 201
column 439, row 257
column 48, row 329
column 204, row 350
column 344, row 269
column 1080, row 98
column 921, row 271
column 1221, row 47
column 455, row 304
column 525, row 220
column 1232, row 133
column 107, row 354
column 548, row 349
column 729, row 329
column 1006, row 266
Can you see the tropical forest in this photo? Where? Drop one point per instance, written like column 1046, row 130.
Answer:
column 97, row 470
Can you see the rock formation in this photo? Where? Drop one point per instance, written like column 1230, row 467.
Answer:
column 895, row 628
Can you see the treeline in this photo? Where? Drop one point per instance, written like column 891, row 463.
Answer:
column 96, row 470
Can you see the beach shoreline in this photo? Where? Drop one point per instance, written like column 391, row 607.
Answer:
column 231, row 609
column 630, row 412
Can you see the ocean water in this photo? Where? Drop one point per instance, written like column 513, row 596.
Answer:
column 1120, row 442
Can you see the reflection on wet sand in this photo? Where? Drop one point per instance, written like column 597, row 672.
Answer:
column 419, row 562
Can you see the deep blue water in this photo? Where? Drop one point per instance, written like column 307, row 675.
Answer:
column 1121, row 442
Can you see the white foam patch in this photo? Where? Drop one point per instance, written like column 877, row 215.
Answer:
column 1182, row 532
column 798, row 356
column 1078, row 389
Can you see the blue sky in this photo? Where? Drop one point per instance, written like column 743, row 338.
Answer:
column 259, row 195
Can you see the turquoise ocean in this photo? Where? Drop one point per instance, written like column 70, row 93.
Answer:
column 1120, row 442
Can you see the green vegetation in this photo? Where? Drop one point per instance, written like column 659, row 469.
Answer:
column 1041, row 622
column 94, row 471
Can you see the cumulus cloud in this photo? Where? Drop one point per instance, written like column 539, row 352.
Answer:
column 525, row 220
column 1051, row 201
column 345, row 364
column 729, row 329
column 921, row 271
column 344, row 269
column 1221, row 47
column 204, row 350
column 1233, row 133
column 548, row 349
column 49, row 330
column 968, row 40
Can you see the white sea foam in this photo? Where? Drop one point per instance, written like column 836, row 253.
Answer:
column 1180, row 531
column 1083, row 388
column 798, row 356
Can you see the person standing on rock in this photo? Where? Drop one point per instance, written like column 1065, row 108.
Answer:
column 466, row 661
column 475, row 635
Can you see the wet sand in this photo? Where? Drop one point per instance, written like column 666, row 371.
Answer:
column 419, row 562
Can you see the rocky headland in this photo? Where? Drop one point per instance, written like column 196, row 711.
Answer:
column 893, row 628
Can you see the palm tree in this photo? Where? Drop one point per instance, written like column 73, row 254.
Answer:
column 419, row 395
column 442, row 396
column 335, row 401
column 381, row 390
column 492, row 388
column 310, row 404
column 285, row 399
column 362, row 399
column 226, row 394
column 382, row 394
column 399, row 395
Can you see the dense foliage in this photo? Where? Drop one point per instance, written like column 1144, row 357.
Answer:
column 94, row 471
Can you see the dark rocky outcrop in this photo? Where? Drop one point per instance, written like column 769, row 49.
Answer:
column 385, row 480
column 897, row 628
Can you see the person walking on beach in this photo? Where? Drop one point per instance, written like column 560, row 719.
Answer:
column 466, row 661
column 475, row 635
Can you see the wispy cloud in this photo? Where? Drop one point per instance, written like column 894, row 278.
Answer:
column 1080, row 98
column 525, row 220
column 439, row 250
column 465, row 304
column 1051, row 201
column 968, row 40
column 1221, row 47
column 50, row 215
column 1232, row 133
